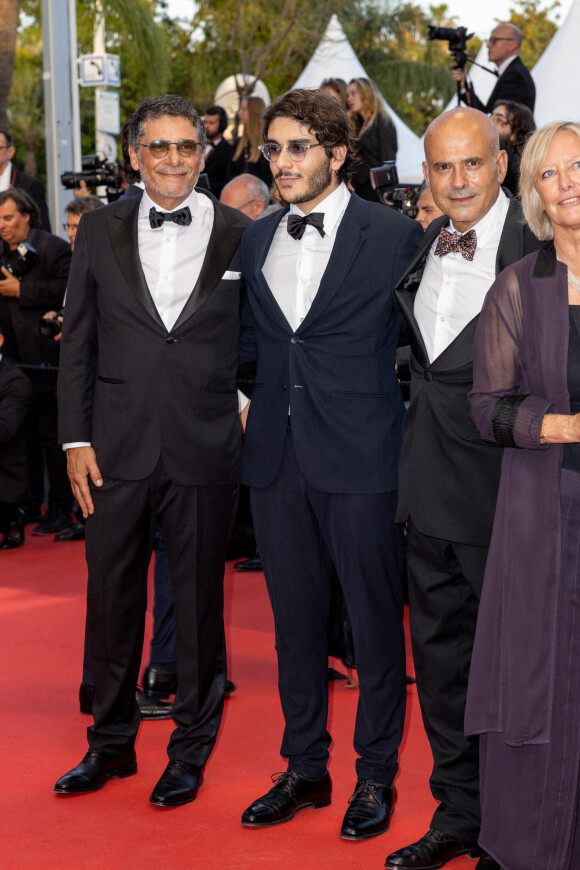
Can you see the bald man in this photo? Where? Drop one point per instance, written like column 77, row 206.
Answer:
column 514, row 82
column 447, row 475
column 248, row 194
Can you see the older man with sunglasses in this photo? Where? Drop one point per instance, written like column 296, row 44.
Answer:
column 149, row 417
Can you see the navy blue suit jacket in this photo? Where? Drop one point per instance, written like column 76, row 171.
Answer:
column 337, row 371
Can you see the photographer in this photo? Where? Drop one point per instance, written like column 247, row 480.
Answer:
column 514, row 82
column 34, row 273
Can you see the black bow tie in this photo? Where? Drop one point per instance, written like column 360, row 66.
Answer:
column 182, row 217
column 296, row 224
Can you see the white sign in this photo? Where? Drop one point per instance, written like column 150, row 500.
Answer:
column 108, row 112
column 100, row 69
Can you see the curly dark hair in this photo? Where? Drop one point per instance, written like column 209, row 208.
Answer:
column 157, row 107
column 323, row 117
column 521, row 121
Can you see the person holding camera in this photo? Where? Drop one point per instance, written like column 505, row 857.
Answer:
column 33, row 278
column 514, row 82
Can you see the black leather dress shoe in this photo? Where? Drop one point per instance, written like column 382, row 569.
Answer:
column 430, row 852
column 178, row 784
column 254, row 563
column 486, row 862
column 159, row 682
column 152, row 707
column 55, row 520
column 14, row 537
column 369, row 812
column 75, row 532
column 291, row 792
column 95, row 769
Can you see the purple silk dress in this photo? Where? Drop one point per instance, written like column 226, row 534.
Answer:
column 524, row 686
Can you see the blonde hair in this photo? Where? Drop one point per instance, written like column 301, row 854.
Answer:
column 371, row 99
column 252, row 135
column 533, row 156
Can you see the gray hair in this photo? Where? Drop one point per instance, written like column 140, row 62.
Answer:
column 152, row 108
column 80, row 204
column 533, row 156
column 255, row 187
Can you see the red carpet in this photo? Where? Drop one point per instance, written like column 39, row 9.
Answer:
column 42, row 735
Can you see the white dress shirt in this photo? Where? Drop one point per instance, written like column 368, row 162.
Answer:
column 503, row 66
column 452, row 289
column 171, row 257
column 294, row 267
column 5, row 178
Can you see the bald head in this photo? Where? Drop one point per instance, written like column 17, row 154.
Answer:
column 505, row 41
column 464, row 166
column 246, row 193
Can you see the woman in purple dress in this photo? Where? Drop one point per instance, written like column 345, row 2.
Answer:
column 524, row 689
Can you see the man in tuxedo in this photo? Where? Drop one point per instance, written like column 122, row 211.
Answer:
column 321, row 450
column 218, row 151
column 514, row 83
column 12, row 177
column 448, row 476
column 149, row 417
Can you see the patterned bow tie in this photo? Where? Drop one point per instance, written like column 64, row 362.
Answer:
column 449, row 243
column 182, row 217
column 296, row 224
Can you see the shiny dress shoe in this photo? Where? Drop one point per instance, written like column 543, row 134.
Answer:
column 75, row 532
column 158, row 682
column 252, row 564
column 430, row 852
column 178, row 784
column 55, row 520
column 95, row 769
column 486, row 862
column 150, row 706
column 369, row 812
column 14, row 537
column 291, row 792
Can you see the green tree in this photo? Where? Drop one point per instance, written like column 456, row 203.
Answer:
column 9, row 14
column 537, row 28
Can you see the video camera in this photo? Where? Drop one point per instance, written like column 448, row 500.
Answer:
column 457, row 38
column 19, row 262
column 96, row 172
column 402, row 197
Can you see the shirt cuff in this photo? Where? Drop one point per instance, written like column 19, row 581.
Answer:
column 242, row 401
column 70, row 444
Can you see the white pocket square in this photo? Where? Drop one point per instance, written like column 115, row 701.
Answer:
column 231, row 276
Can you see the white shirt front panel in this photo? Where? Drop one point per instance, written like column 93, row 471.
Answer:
column 452, row 289
column 5, row 178
column 294, row 267
column 172, row 256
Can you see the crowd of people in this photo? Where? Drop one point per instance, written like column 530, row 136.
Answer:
column 300, row 269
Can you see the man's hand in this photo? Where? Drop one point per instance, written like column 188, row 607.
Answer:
column 459, row 77
column 10, row 286
column 51, row 315
column 82, row 462
column 244, row 416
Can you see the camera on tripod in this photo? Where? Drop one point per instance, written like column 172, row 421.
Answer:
column 457, row 38
column 402, row 197
column 96, row 172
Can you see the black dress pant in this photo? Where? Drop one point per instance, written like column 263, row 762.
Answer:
column 445, row 581
column 300, row 532
column 195, row 521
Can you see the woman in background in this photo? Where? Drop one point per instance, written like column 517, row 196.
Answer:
column 247, row 156
column 375, row 131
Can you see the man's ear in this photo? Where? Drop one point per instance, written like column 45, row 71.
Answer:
column 133, row 159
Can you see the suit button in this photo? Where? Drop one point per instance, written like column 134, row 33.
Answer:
column 284, row 387
column 293, row 340
column 170, row 340
column 428, row 376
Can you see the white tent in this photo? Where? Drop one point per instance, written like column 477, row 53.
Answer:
column 557, row 74
column 335, row 58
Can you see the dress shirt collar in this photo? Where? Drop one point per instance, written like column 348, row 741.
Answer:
column 503, row 66
column 332, row 207
column 487, row 227
column 193, row 201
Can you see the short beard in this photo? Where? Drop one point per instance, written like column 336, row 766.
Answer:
column 318, row 183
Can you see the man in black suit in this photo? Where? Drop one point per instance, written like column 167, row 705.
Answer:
column 15, row 400
column 448, row 476
column 514, row 83
column 219, row 151
column 149, row 417
column 321, row 450
column 12, row 177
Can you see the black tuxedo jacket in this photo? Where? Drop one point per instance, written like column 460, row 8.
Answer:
column 448, row 476
column 132, row 389
column 336, row 372
column 35, row 188
column 15, row 400
column 216, row 164
column 515, row 84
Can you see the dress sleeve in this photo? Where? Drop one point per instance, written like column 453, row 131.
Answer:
column 500, row 409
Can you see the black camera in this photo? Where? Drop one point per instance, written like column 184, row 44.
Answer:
column 96, row 172
column 457, row 38
column 402, row 197
column 19, row 262
column 50, row 327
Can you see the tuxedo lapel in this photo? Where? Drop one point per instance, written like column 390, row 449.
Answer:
column 223, row 243
column 262, row 247
column 122, row 228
